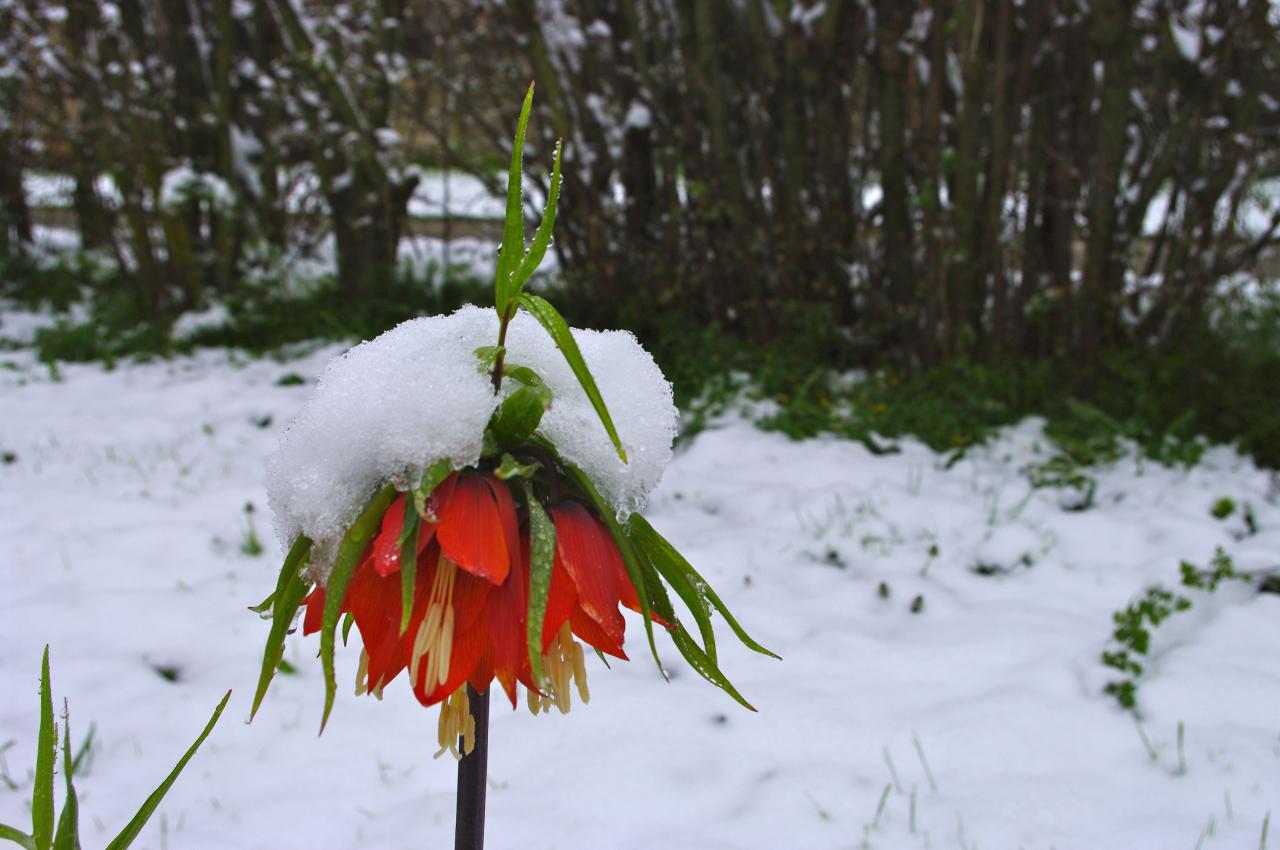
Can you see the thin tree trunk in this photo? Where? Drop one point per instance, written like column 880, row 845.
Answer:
column 1097, row 308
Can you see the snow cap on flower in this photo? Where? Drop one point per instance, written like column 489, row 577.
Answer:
column 390, row 407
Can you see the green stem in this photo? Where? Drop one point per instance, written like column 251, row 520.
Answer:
column 500, row 360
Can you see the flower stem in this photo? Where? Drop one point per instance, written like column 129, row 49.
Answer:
column 500, row 360
column 473, row 770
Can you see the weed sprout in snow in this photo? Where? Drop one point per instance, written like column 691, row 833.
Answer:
column 463, row 490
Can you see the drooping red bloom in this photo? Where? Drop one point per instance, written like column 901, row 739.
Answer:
column 471, row 597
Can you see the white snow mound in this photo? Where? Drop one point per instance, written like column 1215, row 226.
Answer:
column 390, row 407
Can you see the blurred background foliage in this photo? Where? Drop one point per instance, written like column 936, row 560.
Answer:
column 888, row 218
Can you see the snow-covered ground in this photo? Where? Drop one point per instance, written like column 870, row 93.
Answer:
column 121, row 521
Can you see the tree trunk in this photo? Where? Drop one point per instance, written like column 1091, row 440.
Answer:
column 1098, row 303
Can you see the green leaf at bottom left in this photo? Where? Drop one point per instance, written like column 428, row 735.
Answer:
column 133, row 827
column 47, row 742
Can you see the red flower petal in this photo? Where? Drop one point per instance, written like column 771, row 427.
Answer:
column 386, row 546
column 589, row 631
column 470, row 594
column 471, row 530
column 482, row 675
column 314, row 618
column 508, row 613
column 374, row 602
column 562, row 600
column 587, row 551
column 468, row 649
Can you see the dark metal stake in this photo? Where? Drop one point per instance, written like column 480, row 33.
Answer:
column 473, row 777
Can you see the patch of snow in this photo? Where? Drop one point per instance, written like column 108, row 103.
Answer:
column 1006, row 548
column 245, row 147
column 193, row 322
column 638, row 116
column 121, row 516
column 182, row 184
column 391, row 407
column 387, row 138
column 1186, row 39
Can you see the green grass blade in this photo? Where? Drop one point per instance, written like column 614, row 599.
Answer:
column 408, row 563
column 555, row 325
column 542, row 554
column 17, row 836
column 68, row 835
column 653, row 541
column 542, row 236
column 513, row 228
column 344, row 566
column 291, row 589
column 131, row 829
column 46, row 754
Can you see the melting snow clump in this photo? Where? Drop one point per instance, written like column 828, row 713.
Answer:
column 390, row 407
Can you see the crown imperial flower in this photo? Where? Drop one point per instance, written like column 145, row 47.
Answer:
column 470, row 508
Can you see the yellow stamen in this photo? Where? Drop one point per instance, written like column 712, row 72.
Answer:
column 362, row 671
column 564, row 664
column 434, row 639
column 445, row 650
column 456, row 723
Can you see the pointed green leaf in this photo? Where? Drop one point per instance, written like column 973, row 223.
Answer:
column 524, row 375
column 348, row 620
column 293, row 562
column 350, row 549
column 706, row 667
column 542, row 553
column 693, row 654
column 18, row 837
column 679, row 581
column 513, row 228
column 46, row 754
column 291, row 589
column 541, row 237
column 606, row 514
column 68, row 835
column 512, row 468
column 131, row 830
column 659, row 550
column 519, row 415
column 408, row 566
column 488, row 355
column 636, row 574
column 555, row 325
column 432, row 477
column 264, row 607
